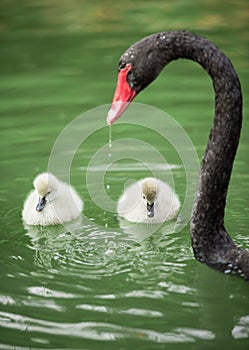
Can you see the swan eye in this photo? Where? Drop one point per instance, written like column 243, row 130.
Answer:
column 131, row 79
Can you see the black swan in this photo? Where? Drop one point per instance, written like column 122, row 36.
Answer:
column 138, row 67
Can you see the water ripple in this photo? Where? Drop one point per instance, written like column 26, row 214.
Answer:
column 93, row 253
column 101, row 331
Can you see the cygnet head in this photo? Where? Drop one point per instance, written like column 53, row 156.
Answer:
column 149, row 193
column 46, row 186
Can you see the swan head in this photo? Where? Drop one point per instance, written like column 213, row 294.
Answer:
column 46, row 186
column 149, row 194
column 138, row 67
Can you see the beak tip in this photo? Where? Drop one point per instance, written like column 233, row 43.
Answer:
column 110, row 117
column 115, row 112
column 150, row 210
column 41, row 204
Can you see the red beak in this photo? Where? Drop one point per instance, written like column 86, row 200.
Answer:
column 122, row 97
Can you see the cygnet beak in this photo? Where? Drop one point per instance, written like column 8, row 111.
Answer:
column 41, row 204
column 150, row 210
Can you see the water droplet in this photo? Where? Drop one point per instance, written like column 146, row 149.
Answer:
column 110, row 136
column 108, row 186
column 110, row 141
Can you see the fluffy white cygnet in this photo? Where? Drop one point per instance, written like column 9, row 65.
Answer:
column 149, row 200
column 51, row 202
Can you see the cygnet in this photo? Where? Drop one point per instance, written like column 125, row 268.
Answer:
column 149, row 200
column 52, row 202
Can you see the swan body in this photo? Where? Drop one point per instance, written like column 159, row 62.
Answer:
column 138, row 67
column 51, row 202
column 149, row 200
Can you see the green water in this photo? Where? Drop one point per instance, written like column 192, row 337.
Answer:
column 93, row 284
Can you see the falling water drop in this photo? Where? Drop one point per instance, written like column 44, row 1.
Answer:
column 110, row 136
column 110, row 141
column 109, row 154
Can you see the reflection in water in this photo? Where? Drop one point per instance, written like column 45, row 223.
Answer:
column 139, row 232
column 86, row 249
column 73, row 263
column 49, row 241
column 79, row 245
column 105, row 331
column 130, row 167
column 225, row 325
column 241, row 329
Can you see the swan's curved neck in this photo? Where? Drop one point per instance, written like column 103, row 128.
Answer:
column 210, row 241
column 208, row 211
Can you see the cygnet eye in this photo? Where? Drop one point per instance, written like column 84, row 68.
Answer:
column 143, row 196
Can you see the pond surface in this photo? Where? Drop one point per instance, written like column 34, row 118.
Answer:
column 97, row 282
